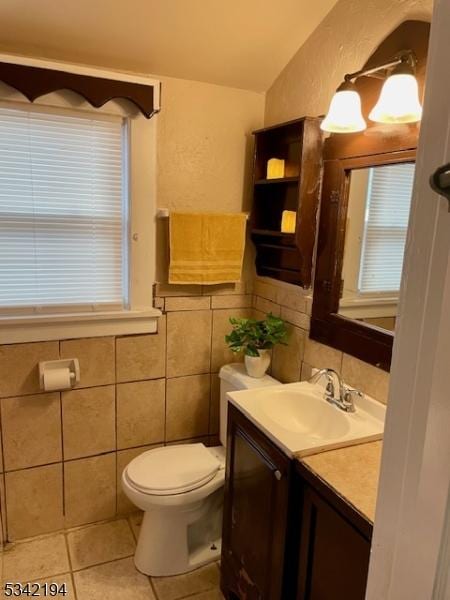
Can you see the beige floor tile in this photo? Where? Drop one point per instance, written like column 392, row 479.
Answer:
column 174, row 588
column 118, row 580
column 35, row 559
column 135, row 521
column 100, row 544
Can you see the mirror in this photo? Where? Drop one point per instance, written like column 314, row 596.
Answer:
column 379, row 201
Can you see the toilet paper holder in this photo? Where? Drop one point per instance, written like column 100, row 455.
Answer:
column 52, row 365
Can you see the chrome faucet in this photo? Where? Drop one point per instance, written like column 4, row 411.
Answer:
column 345, row 399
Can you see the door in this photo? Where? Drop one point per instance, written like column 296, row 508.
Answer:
column 255, row 513
column 410, row 543
column 334, row 556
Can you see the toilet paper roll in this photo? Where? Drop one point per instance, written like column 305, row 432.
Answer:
column 57, row 379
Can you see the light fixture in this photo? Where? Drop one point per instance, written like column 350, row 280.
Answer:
column 399, row 98
column 398, row 102
column 344, row 114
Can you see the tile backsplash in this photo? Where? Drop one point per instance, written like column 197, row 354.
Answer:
column 294, row 362
column 63, row 453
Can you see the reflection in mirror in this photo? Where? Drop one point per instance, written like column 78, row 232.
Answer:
column 377, row 220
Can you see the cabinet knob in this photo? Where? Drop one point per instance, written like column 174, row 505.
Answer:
column 278, row 474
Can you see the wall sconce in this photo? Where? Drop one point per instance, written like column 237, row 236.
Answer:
column 398, row 101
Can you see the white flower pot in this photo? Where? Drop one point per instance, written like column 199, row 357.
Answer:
column 257, row 365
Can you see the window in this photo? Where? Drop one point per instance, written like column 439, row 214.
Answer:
column 63, row 211
column 385, row 225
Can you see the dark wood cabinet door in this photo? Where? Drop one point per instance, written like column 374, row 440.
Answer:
column 334, row 555
column 255, row 514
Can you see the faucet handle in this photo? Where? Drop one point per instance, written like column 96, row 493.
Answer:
column 349, row 395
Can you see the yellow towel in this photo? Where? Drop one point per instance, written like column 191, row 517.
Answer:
column 206, row 248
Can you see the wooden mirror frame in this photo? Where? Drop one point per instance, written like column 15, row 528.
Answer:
column 367, row 342
column 377, row 145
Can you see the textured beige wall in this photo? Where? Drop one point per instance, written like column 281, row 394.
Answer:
column 204, row 153
column 138, row 391
column 341, row 44
column 204, row 145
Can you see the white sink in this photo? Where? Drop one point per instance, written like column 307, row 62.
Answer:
column 300, row 421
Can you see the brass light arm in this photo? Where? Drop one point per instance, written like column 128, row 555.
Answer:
column 407, row 58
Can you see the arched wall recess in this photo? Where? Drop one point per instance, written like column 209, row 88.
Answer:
column 378, row 145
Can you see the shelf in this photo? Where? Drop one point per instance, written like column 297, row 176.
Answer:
column 287, row 256
column 272, row 233
column 278, row 180
column 276, row 246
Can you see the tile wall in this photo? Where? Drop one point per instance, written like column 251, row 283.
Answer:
column 295, row 361
column 63, row 453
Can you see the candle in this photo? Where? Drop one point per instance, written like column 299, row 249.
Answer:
column 275, row 168
column 288, row 220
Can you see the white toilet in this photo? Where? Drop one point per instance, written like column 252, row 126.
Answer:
column 180, row 489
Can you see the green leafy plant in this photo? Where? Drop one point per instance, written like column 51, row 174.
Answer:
column 250, row 335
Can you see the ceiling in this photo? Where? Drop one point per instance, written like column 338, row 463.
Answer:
column 238, row 43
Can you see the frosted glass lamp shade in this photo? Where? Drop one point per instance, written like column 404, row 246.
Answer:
column 398, row 101
column 344, row 114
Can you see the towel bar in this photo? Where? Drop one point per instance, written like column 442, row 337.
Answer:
column 163, row 213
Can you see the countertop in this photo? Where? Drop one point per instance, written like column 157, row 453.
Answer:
column 352, row 472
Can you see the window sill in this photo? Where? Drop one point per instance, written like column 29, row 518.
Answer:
column 40, row 328
column 357, row 307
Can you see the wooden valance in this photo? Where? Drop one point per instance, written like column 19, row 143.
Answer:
column 34, row 82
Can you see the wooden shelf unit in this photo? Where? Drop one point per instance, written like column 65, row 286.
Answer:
column 287, row 256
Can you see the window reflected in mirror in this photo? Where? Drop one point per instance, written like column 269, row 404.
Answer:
column 379, row 204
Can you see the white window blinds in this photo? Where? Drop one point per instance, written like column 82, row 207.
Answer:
column 386, row 221
column 62, row 209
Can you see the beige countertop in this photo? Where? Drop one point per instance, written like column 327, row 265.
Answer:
column 352, row 472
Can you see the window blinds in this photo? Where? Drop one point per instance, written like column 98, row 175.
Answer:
column 62, row 209
column 386, row 221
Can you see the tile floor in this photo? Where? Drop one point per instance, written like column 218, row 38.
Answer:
column 96, row 563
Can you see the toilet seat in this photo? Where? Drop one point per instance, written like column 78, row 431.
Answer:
column 172, row 469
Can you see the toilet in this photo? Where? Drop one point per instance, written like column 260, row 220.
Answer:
column 180, row 490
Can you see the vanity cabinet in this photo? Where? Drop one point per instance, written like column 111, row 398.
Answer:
column 255, row 513
column 333, row 555
column 286, row 534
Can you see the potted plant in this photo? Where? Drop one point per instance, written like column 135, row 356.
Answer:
column 255, row 339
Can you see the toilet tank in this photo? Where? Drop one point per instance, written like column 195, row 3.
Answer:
column 232, row 379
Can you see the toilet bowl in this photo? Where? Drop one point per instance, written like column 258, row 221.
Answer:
column 180, row 490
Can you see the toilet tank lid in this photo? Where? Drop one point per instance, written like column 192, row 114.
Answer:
column 237, row 376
